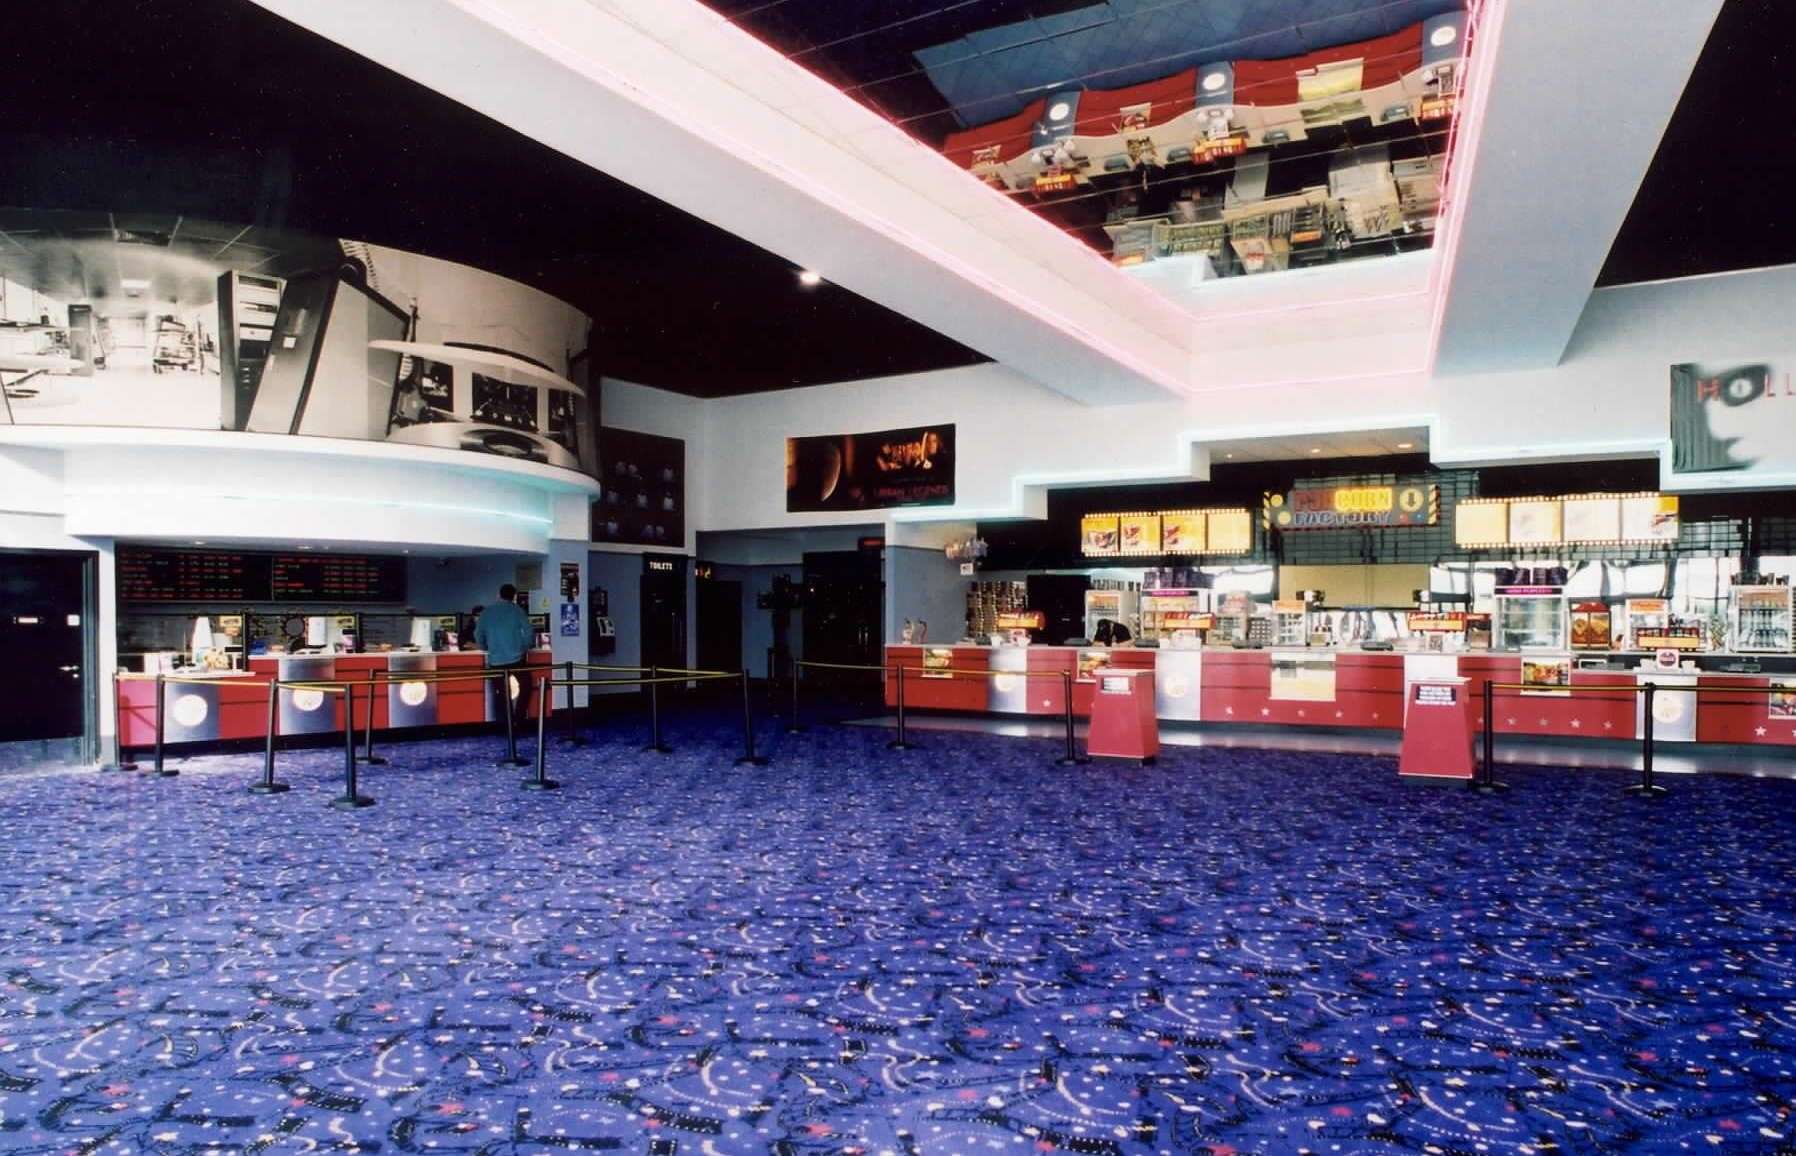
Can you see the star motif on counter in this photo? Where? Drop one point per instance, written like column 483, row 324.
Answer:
column 1509, row 722
column 1608, row 726
column 1300, row 714
column 1228, row 710
column 1759, row 731
column 1338, row 714
column 1543, row 722
column 1265, row 710
column 1576, row 723
column 1374, row 716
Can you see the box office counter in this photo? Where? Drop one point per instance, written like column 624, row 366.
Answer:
column 225, row 705
column 1355, row 688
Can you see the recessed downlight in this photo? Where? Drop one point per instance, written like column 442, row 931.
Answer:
column 810, row 278
column 1315, row 449
column 1406, row 445
column 1443, row 36
column 1060, row 111
column 1214, row 81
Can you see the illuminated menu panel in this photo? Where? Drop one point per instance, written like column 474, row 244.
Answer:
column 337, row 578
column 191, row 576
column 1481, row 523
column 223, row 576
column 1596, row 518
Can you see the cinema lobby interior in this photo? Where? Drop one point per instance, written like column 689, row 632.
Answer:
column 898, row 577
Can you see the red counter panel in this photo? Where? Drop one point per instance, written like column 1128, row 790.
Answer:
column 1124, row 658
column 963, row 692
column 1740, row 717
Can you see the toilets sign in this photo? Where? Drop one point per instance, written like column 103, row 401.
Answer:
column 1353, row 507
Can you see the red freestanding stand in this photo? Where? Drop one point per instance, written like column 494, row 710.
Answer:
column 1123, row 725
column 1437, row 732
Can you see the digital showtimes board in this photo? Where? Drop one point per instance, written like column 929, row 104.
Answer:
column 214, row 576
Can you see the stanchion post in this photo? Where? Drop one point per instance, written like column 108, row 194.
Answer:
column 541, row 780
column 268, row 786
column 573, row 737
column 369, row 756
column 1646, row 788
column 352, row 798
column 1486, row 782
column 1072, row 757
column 902, row 742
column 120, row 762
column 511, row 727
column 792, row 725
column 749, row 758
column 655, row 743
column 158, row 768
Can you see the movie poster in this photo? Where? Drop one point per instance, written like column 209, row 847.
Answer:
column 1732, row 419
column 871, row 471
column 168, row 321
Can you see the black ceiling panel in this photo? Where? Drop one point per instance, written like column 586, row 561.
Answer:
column 1717, row 196
column 217, row 109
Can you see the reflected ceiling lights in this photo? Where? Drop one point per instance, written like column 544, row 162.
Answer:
column 810, row 278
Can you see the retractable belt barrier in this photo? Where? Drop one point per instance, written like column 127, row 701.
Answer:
column 902, row 742
column 352, row 797
column 1646, row 788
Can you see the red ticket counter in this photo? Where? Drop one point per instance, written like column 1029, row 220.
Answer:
column 234, row 705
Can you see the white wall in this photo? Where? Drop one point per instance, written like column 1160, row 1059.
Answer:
column 1610, row 397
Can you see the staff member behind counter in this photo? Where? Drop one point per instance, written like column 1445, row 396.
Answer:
column 503, row 630
column 1111, row 633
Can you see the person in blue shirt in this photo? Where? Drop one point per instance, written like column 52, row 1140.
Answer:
column 503, row 631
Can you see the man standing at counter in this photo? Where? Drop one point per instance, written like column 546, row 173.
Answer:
column 503, row 631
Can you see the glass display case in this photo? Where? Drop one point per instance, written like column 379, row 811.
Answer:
column 1290, row 622
column 1529, row 619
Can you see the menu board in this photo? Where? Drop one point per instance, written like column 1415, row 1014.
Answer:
column 1140, row 533
column 1481, row 523
column 191, row 576
column 1593, row 519
column 1182, row 532
column 1535, row 522
column 337, row 578
column 222, row 576
column 1098, row 535
column 1231, row 531
column 1649, row 518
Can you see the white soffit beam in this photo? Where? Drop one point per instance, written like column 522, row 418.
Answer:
column 671, row 98
column 1570, row 99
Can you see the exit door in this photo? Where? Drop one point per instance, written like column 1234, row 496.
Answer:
column 45, row 632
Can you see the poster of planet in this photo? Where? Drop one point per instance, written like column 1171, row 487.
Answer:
column 871, row 471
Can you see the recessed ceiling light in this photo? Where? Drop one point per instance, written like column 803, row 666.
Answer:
column 1315, row 449
column 1443, row 36
column 1214, row 81
column 199, row 541
column 133, row 284
column 1228, row 455
column 1406, row 445
column 809, row 278
column 1060, row 111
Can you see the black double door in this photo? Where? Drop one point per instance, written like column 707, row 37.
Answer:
column 844, row 608
column 45, row 601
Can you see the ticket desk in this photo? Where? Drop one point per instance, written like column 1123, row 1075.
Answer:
column 1351, row 688
column 216, row 707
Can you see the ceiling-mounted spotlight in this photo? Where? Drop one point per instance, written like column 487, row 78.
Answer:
column 810, row 278
column 1443, row 36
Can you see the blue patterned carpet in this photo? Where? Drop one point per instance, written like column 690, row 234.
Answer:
column 961, row 949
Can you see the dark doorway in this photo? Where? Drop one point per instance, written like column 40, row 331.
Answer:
column 1061, row 600
column 844, row 608
column 663, row 611
column 719, row 624
column 45, row 614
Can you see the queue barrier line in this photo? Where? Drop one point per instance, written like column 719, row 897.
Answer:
column 1485, row 779
column 1071, row 757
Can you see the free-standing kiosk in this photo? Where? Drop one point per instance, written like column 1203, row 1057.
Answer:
column 1123, row 725
column 1437, row 732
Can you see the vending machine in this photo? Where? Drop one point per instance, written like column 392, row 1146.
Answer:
column 1122, row 606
